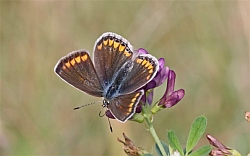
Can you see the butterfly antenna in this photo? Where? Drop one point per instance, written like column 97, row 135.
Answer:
column 110, row 126
column 100, row 113
column 85, row 105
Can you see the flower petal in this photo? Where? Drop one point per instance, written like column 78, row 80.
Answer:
column 138, row 108
column 170, row 100
column 150, row 85
column 142, row 51
column 181, row 93
column 173, row 99
column 161, row 63
column 164, row 75
column 150, row 97
column 171, row 82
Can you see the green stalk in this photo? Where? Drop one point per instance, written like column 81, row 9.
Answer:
column 156, row 138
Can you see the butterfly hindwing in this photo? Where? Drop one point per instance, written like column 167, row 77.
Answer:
column 124, row 106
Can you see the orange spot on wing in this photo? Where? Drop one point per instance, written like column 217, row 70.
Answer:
column 130, row 109
column 144, row 62
column 116, row 44
column 133, row 100
column 64, row 67
column 121, row 48
column 84, row 57
column 139, row 60
column 78, row 59
column 67, row 64
column 148, row 77
column 99, row 47
column 151, row 71
column 127, row 53
column 150, row 67
column 105, row 42
column 111, row 42
column 147, row 64
column 73, row 62
column 137, row 94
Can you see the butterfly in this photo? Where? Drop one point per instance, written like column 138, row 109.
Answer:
column 116, row 73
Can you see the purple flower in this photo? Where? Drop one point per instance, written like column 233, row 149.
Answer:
column 171, row 97
column 159, row 78
column 142, row 51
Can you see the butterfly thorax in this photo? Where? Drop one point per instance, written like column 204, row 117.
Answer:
column 112, row 89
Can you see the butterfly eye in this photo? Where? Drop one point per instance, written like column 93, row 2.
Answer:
column 105, row 103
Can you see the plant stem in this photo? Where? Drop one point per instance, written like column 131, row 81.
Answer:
column 156, row 138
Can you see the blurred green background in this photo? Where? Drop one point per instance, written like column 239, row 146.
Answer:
column 205, row 43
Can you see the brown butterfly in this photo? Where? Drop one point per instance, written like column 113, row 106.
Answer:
column 116, row 73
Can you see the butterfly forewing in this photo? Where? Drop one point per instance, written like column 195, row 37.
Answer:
column 75, row 69
column 111, row 52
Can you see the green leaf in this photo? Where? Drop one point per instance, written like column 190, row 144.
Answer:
column 147, row 155
column 174, row 142
column 197, row 129
column 165, row 146
column 203, row 151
